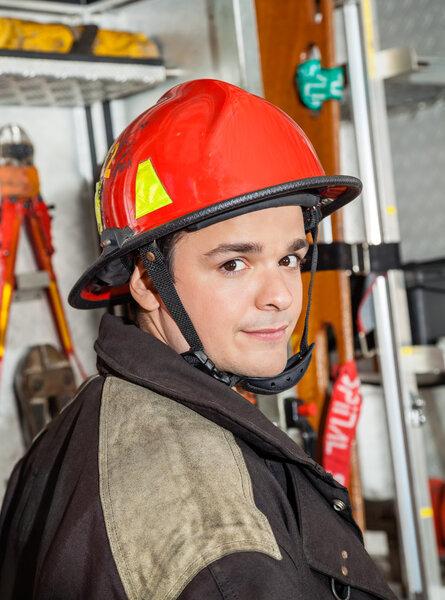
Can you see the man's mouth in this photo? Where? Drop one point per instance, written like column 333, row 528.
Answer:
column 267, row 334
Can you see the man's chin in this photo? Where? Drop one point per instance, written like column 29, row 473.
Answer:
column 259, row 370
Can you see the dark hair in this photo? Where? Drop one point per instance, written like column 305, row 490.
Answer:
column 166, row 245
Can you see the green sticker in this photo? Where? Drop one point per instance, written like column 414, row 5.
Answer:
column 150, row 193
column 316, row 84
column 97, row 210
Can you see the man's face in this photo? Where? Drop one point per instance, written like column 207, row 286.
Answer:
column 240, row 282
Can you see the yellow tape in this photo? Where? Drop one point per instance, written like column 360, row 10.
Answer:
column 369, row 36
column 97, row 208
column 426, row 512
column 112, row 154
column 150, row 193
column 407, row 350
column 4, row 311
column 391, row 210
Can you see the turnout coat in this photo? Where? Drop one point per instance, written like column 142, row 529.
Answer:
column 159, row 483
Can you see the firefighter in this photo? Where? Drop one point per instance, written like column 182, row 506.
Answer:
column 160, row 480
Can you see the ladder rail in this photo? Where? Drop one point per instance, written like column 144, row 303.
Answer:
column 421, row 563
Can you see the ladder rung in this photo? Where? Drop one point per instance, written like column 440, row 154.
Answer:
column 34, row 281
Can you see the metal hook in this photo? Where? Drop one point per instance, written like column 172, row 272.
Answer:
column 334, row 591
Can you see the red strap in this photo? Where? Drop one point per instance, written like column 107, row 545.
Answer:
column 341, row 422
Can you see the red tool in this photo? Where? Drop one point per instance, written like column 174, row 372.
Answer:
column 21, row 203
column 437, row 490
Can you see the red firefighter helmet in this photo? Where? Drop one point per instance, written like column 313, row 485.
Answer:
column 206, row 151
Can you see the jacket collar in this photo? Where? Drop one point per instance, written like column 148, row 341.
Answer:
column 128, row 352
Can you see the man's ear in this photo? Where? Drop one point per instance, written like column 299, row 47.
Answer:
column 142, row 289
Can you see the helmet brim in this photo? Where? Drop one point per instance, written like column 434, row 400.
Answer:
column 328, row 193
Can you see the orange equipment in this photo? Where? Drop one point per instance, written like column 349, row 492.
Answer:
column 437, row 491
column 21, row 203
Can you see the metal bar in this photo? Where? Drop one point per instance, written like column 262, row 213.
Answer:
column 234, row 43
column 248, row 47
column 394, row 62
column 361, row 119
column 108, row 121
column 90, row 129
column 397, row 438
column 415, row 444
column 379, row 128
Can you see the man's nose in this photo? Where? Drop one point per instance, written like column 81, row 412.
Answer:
column 274, row 291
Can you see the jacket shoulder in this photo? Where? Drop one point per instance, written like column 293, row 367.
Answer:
column 175, row 491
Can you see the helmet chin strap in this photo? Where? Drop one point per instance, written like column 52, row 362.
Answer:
column 296, row 366
column 154, row 262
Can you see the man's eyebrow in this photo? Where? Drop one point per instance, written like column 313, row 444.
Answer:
column 252, row 248
column 241, row 248
column 298, row 245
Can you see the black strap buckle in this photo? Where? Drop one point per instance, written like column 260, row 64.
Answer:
column 200, row 360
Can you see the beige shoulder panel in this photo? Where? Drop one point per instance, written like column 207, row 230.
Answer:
column 175, row 492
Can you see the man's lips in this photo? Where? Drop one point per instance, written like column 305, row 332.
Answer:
column 267, row 334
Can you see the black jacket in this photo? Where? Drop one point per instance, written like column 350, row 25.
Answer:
column 158, row 482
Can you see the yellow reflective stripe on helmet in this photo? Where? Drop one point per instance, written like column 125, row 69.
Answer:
column 97, row 210
column 150, row 193
column 111, row 154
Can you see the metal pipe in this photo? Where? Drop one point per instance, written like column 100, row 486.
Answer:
column 244, row 17
column 108, row 122
column 397, row 438
column 92, row 144
column 361, row 117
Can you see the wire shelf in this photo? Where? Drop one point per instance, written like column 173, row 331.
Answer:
column 73, row 81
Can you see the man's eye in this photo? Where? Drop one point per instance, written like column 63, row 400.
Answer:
column 235, row 264
column 291, row 260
